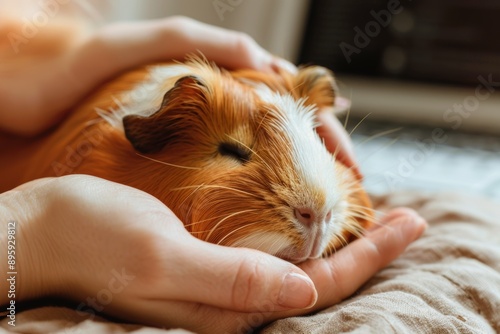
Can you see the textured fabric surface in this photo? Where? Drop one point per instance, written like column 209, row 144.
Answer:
column 446, row 282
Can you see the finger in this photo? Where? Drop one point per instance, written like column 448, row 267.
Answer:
column 230, row 49
column 392, row 215
column 337, row 140
column 336, row 278
column 227, row 48
column 337, row 271
column 342, row 274
column 353, row 265
column 235, row 278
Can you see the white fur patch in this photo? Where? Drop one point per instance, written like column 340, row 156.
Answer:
column 269, row 242
column 314, row 165
column 313, row 162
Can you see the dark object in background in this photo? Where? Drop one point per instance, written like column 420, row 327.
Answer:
column 447, row 41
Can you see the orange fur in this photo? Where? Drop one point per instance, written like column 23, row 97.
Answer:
column 220, row 199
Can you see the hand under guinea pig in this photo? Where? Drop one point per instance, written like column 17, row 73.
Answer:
column 234, row 155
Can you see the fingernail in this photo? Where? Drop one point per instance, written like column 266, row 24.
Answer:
column 341, row 104
column 297, row 291
column 413, row 226
column 420, row 225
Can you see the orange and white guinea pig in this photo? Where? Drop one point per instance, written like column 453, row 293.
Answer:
column 234, row 155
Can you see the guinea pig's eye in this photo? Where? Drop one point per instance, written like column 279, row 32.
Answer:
column 242, row 154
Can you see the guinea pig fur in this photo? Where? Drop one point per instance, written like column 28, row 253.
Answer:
column 234, row 155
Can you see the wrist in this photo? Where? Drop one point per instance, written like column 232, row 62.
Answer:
column 31, row 264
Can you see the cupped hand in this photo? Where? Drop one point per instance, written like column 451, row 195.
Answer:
column 120, row 251
column 90, row 239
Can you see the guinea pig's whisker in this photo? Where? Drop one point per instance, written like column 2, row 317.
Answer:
column 337, row 240
column 191, row 194
column 260, row 124
column 383, row 133
column 215, row 186
column 205, row 220
column 359, row 123
column 351, row 186
column 362, row 209
column 354, row 228
column 198, row 187
column 390, row 143
column 199, row 232
column 342, row 239
column 236, row 230
column 377, row 135
column 212, row 230
column 372, row 220
column 348, row 113
column 339, row 146
column 361, row 215
column 187, row 187
column 166, row 163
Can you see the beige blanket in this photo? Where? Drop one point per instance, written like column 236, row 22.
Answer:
column 446, row 282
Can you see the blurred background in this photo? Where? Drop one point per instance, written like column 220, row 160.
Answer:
column 422, row 76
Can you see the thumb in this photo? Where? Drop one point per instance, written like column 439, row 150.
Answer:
column 239, row 279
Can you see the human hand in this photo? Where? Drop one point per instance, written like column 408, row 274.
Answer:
column 122, row 252
column 82, row 235
column 335, row 278
column 36, row 95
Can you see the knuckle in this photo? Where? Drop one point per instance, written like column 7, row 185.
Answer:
column 244, row 44
column 180, row 21
column 250, row 277
column 244, row 39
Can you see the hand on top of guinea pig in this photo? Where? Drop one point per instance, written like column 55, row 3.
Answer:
column 35, row 98
column 82, row 235
column 42, row 90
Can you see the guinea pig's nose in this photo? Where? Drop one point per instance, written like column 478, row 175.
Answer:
column 304, row 215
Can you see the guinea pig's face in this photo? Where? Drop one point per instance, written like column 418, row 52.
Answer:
column 243, row 165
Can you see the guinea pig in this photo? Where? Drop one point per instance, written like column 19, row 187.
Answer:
column 234, row 155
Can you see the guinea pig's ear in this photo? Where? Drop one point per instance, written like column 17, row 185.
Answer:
column 150, row 134
column 318, row 85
